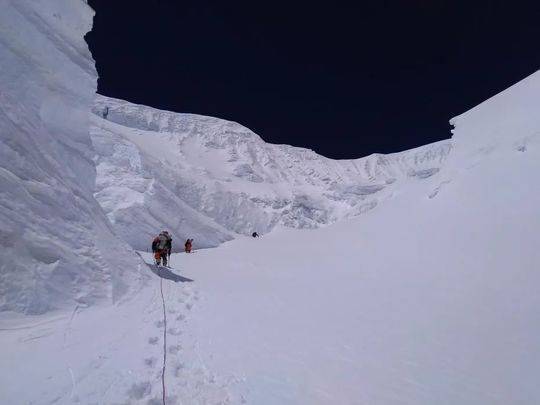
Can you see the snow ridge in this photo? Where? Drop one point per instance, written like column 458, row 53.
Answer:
column 212, row 179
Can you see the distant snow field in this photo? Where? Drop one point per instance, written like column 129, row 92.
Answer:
column 409, row 278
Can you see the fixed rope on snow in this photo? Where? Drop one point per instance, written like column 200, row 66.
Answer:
column 164, row 340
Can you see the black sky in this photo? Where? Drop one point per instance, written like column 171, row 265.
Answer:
column 345, row 79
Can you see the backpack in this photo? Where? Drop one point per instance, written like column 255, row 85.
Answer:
column 155, row 243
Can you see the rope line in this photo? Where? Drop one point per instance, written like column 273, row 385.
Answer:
column 164, row 340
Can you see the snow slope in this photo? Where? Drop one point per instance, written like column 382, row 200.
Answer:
column 211, row 179
column 430, row 298
column 56, row 245
column 423, row 301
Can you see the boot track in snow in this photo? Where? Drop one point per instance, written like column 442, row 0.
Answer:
column 164, row 339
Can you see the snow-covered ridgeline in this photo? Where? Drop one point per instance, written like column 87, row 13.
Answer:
column 508, row 121
column 210, row 179
column 56, row 245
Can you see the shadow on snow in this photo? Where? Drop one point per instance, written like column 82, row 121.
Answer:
column 167, row 274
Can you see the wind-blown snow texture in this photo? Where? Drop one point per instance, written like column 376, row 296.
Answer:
column 56, row 245
column 210, row 179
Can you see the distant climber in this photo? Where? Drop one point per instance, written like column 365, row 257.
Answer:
column 105, row 112
column 255, row 234
column 161, row 247
column 188, row 245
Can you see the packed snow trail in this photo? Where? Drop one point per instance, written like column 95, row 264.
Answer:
column 110, row 354
column 164, row 342
column 164, row 364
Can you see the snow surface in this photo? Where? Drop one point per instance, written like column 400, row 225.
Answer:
column 57, row 248
column 431, row 298
column 423, row 301
column 212, row 179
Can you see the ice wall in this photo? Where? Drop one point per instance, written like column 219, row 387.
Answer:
column 56, row 245
column 211, row 179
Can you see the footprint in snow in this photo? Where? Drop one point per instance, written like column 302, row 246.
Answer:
column 140, row 390
column 159, row 324
column 174, row 331
column 186, row 293
column 172, row 399
column 150, row 362
column 178, row 368
column 174, row 349
column 180, row 317
column 153, row 340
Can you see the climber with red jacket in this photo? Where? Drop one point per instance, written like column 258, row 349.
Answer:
column 188, row 245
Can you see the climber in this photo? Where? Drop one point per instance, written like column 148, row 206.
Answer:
column 188, row 245
column 168, row 247
column 155, row 250
column 161, row 247
column 255, row 234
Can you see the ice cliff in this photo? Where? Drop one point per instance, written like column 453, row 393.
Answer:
column 211, row 179
column 56, row 246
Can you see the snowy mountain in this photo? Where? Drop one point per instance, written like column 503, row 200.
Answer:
column 56, row 245
column 211, row 179
column 428, row 297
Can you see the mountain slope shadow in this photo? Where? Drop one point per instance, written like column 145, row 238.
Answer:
column 165, row 273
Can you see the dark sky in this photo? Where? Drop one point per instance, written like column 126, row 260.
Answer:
column 345, row 79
